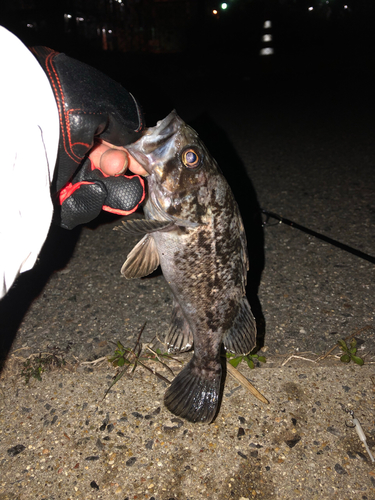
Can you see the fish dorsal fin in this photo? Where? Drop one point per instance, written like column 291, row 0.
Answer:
column 139, row 227
column 242, row 336
column 179, row 338
column 142, row 260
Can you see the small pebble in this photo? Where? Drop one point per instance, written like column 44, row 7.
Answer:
column 292, row 442
column 333, row 431
column 150, row 444
column 94, row 485
column 99, row 444
column 241, row 432
column 15, row 450
column 339, row 469
column 137, row 415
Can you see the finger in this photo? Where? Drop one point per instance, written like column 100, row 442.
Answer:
column 136, row 167
column 96, row 153
column 114, row 162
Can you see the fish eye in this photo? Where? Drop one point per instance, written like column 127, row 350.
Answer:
column 190, row 158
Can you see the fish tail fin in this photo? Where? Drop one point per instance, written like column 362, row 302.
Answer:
column 195, row 393
column 241, row 337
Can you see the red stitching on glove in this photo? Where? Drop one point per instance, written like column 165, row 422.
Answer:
column 69, row 189
column 118, row 211
column 63, row 114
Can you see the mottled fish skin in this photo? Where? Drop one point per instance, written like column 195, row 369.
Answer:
column 203, row 256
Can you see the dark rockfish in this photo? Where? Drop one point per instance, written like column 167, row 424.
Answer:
column 195, row 232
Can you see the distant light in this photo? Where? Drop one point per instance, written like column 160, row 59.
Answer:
column 267, row 24
column 214, row 12
column 80, row 18
column 267, row 51
column 346, row 7
column 224, row 6
column 30, row 25
column 311, row 8
column 67, row 16
column 109, row 31
column 267, row 38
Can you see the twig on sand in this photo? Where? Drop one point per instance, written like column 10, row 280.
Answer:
column 245, row 383
column 298, row 357
column 95, row 362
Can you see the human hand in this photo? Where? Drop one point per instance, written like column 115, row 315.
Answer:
column 114, row 160
column 98, row 118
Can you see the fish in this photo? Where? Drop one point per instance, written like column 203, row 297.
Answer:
column 194, row 231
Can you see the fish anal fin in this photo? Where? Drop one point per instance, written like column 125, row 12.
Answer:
column 242, row 336
column 142, row 260
column 179, row 338
column 195, row 393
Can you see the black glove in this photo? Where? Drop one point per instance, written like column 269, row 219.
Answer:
column 91, row 191
column 90, row 105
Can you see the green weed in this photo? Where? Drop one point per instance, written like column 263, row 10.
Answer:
column 236, row 360
column 350, row 352
column 126, row 358
column 35, row 366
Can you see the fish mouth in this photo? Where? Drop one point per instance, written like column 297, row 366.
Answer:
column 155, row 142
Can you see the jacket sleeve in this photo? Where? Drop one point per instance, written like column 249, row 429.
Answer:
column 29, row 131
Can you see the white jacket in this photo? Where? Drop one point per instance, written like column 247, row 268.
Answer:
column 29, row 135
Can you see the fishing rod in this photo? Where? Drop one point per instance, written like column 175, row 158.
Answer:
column 338, row 244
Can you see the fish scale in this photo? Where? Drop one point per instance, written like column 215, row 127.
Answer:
column 194, row 231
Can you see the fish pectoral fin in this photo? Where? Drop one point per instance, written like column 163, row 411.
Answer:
column 142, row 260
column 137, row 227
column 179, row 338
column 242, row 336
column 195, row 393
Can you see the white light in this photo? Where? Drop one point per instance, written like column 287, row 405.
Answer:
column 29, row 25
column 109, row 31
column 311, row 8
column 67, row 16
column 267, row 24
column 345, row 6
column 267, row 51
column 224, row 6
column 80, row 18
column 267, row 38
